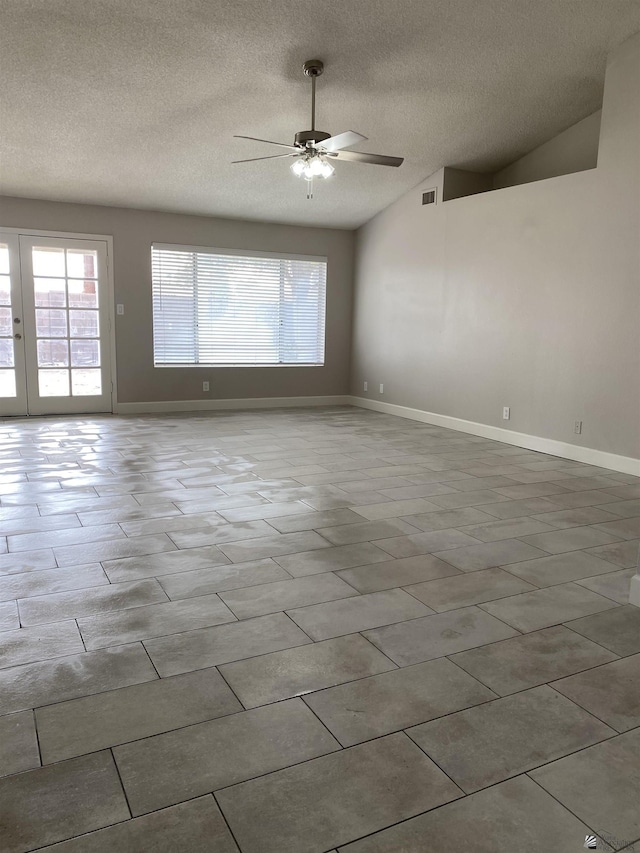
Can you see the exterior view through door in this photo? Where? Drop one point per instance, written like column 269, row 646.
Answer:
column 54, row 326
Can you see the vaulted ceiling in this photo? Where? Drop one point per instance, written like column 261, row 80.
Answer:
column 135, row 102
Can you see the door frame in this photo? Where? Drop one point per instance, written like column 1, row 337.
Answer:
column 110, row 287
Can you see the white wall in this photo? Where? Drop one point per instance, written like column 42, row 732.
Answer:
column 526, row 297
column 574, row 150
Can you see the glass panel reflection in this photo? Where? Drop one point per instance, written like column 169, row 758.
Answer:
column 4, row 259
column 51, row 323
column 48, row 261
column 82, row 264
column 5, row 290
column 49, row 292
column 5, row 321
column 83, row 294
column 53, row 353
column 8, row 383
column 6, row 353
column 84, row 324
column 53, row 383
column 85, row 353
column 86, row 383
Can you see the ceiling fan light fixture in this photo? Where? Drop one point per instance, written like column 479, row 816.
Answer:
column 312, row 166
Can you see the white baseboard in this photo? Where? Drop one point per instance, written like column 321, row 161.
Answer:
column 588, row 455
column 167, row 406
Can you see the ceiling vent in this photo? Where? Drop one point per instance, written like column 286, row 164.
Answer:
column 429, row 197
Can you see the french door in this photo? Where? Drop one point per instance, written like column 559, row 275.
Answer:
column 54, row 326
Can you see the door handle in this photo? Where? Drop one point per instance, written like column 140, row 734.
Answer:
column 18, row 336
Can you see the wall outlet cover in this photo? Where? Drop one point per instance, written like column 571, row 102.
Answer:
column 506, row 413
column 205, row 386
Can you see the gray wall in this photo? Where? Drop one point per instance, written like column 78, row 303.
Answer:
column 526, row 297
column 133, row 233
column 574, row 150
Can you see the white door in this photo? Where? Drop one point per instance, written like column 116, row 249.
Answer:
column 65, row 328
column 13, row 383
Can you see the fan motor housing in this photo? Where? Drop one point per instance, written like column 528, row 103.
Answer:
column 303, row 137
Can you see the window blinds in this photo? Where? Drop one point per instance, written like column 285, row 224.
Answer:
column 213, row 307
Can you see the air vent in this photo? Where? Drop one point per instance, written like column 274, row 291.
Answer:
column 429, row 197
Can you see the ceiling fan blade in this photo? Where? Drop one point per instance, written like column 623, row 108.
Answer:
column 269, row 142
column 376, row 159
column 272, row 157
column 342, row 140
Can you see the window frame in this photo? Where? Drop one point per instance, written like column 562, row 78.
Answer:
column 242, row 253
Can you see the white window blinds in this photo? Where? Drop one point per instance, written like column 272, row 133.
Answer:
column 213, row 307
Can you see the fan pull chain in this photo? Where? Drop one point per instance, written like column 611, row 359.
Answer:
column 310, row 189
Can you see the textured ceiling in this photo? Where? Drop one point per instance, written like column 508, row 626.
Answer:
column 134, row 102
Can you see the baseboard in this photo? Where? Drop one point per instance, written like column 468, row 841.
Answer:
column 588, row 455
column 167, row 406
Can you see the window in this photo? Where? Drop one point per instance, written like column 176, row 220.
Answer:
column 219, row 307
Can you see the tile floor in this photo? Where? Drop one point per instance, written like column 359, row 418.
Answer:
column 307, row 631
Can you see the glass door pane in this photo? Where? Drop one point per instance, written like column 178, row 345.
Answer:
column 67, row 345
column 13, row 395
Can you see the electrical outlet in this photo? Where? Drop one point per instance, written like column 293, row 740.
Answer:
column 366, row 386
column 506, row 413
column 205, row 386
column 577, row 427
column 120, row 308
column 381, row 388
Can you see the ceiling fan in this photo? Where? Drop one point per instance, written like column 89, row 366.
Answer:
column 313, row 149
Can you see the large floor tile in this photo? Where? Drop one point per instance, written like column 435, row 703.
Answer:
column 331, row 559
column 18, row 743
column 365, row 531
column 380, row 704
column 425, row 543
column 615, row 585
column 624, row 554
column 283, row 595
column 212, row 646
column 193, row 827
column 97, row 552
column 394, row 509
column 515, row 816
column 293, row 672
column 560, row 568
column 508, row 528
column 601, row 785
column 527, row 661
column 221, row 578
column 53, row 803
column 438, row 635
column 217, row 533
column 312, row 520
column 610, row 692
column 273, row 546
column 183, row 764
column 100, row 599
column 9, row 619
column 518, row 508
column 168, row 563
column 69, row 536
column 625, row 528
column 39, row 643
column 571, row 539
column 154, row 620
column 27, row 561
column 484, row 745
column 445, row 519
column 476, row 557
column 323, row 621
column 618, row 630
column 577, row 517
column 47, row 581
column 391, row 573
column 335, row 799
column 34, row 684
column 462, row 590
column 107, row 719
column 544, row 607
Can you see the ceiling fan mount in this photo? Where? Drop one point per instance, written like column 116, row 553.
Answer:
column 312, row 149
